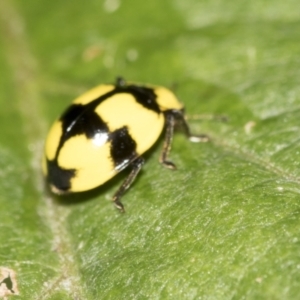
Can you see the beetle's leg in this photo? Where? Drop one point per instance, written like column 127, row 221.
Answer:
column 192, row 137
column 171, row 118
column 136, row 167
column 170, row 123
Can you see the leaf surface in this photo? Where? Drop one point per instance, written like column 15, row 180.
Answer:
column 226, row 224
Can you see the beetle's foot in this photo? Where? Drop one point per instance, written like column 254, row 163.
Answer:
column 169, row 165
column 201, row 138
column 118, row 204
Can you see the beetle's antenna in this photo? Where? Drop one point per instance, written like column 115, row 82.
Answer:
column 208, row 117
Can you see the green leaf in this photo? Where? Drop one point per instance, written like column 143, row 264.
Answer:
column 226, row 224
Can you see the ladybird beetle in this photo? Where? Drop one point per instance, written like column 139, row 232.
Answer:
column 108, row 129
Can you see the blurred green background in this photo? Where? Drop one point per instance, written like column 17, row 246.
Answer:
column 226, row 224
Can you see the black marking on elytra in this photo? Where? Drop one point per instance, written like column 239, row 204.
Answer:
column 143, row 95
column 123, row 147
column 79, row 120
column 8, row 282
column 59, row 177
